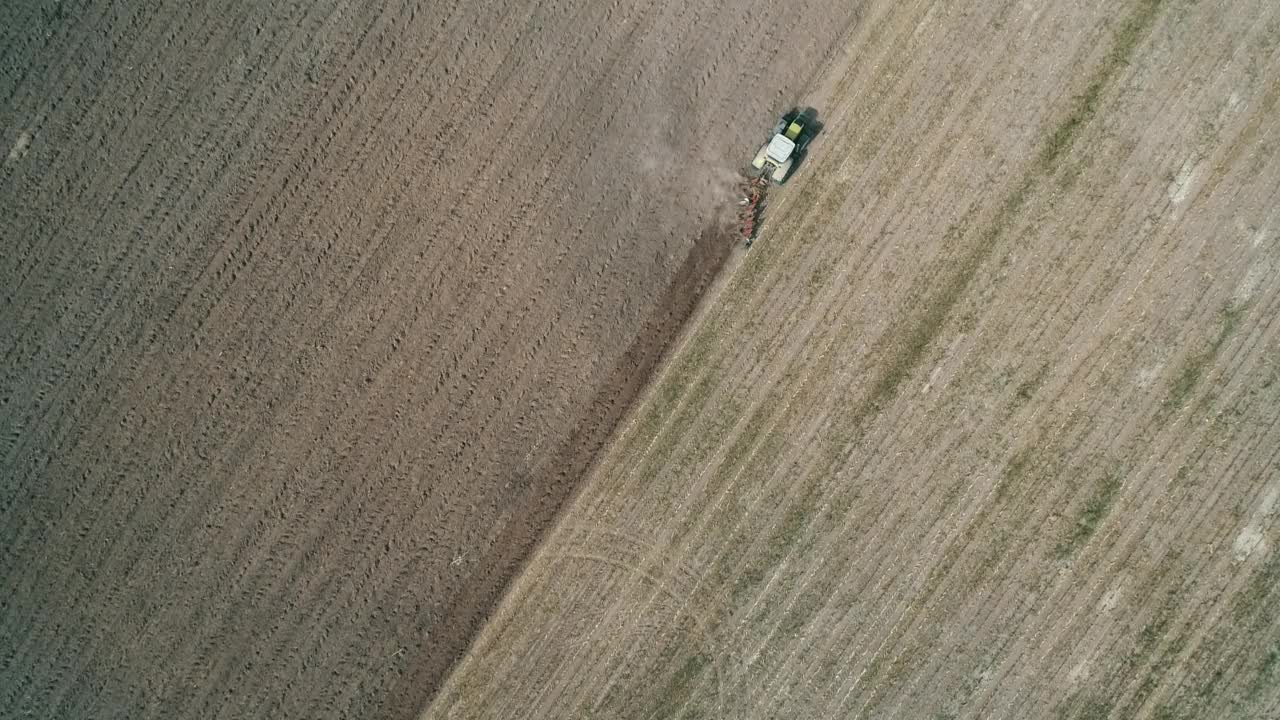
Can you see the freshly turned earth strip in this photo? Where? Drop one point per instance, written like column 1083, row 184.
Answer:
column 313, row 314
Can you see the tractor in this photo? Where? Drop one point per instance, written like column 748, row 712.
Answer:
column 777, row 157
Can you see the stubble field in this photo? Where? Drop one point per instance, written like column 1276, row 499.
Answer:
column 986, row 424
column 313, row 314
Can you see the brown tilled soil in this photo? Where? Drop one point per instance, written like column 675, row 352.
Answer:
column 314, row 314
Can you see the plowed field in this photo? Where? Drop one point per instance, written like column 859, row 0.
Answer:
column 985, row 425
column 314, row 314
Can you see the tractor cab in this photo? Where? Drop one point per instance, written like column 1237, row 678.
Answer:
column 794, row 130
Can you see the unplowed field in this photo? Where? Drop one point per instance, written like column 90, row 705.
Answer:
column 314, row 313
column 986, row 424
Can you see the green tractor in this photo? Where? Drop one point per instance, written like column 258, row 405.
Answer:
column 778, row 156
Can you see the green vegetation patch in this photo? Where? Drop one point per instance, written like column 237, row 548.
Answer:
column 1127, row 38
column 1028, row 388
column 781, row 541
column 1267, row 675
column 1262, row 590
column 678, row 690
column 911, row 345
column 1194, row 367
column 1101, row 498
